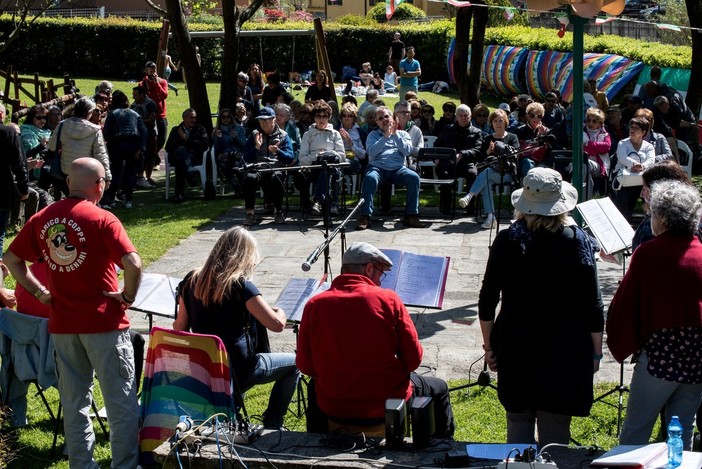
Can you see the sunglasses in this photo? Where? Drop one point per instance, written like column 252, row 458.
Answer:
column 385, row 117
column 40, row 118
column 426, row 112
column 535, row 116
column 594, row 121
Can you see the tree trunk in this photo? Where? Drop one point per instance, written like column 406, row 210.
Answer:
column 230, row 56
column 460, row 56
column 197, row 89
column 476, row 56
column 694, row 92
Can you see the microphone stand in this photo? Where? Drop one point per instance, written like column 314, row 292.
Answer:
column 328, row 238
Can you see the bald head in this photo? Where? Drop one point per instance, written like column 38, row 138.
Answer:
column 86, row 178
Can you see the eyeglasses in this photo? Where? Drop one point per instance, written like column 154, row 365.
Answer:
column 535, row 116
column 402, row 112
column 384, row 117
column 40, row 118
column 100, row 179
column 322, row 116
column 594, row 121
column 415, row 108
column 382, row 275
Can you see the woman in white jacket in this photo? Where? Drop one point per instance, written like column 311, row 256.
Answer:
column 634, row 156
column 81, row 138
column 321, row 143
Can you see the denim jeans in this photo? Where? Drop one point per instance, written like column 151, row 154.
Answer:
column 403, row 176
column 648, row 395
column 279, row 368
column 483, row 185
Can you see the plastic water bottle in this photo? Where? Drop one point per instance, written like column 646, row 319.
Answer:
column 674, row 442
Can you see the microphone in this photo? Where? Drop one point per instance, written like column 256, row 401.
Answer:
column 546, row 139
column 184, row 424
column 307, row 265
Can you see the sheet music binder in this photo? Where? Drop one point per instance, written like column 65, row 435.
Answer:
column 608, row 225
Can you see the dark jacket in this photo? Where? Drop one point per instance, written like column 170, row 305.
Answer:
column 196, row 143
column 278, row 137
column 465, row 140
column 13, row 168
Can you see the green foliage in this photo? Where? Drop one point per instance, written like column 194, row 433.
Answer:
column 403, row 12
column 355, row 20
column 496, row 16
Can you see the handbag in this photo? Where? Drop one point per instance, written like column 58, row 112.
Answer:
column 626, row 178
column 55, row 169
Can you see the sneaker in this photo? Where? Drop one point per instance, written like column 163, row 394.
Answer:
column 127, row 204
column 249, row 219
column 412, row 221
column 363, row 223
column 119, row 197
column 143, row 183
column 334, row 210
column 464, row 201
column 489, row 222
column 279, row 217
column 151, row 182
column 316, row 208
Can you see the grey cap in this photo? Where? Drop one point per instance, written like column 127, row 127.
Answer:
column 544, row 192
column 505, row 107
column 361, row 253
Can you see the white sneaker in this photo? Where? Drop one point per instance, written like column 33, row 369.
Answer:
column 464, row 201
column 489, row 222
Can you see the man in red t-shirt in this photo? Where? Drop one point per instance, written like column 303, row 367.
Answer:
column 81, row 243
column 359, row 343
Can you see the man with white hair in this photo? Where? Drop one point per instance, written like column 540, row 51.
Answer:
column 371, row 95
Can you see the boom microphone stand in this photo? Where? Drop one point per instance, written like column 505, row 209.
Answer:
column 483, row 381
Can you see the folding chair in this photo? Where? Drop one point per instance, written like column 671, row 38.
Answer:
column 185, row 374
column 440, row 154
column 200, row 169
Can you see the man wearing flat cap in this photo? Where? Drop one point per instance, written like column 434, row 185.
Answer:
column 358, row 342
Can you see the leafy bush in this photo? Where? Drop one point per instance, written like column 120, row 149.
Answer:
column 404, row 11
column 354, row 20
column 300, row 15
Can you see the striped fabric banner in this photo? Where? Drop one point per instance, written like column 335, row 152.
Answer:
column 390, row 6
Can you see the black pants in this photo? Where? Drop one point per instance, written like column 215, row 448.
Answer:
column 450, row 170
column 273, row 188
column 182, row 160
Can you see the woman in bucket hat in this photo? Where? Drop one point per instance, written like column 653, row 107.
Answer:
column 546, row 341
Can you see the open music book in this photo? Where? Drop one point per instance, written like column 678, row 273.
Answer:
column 297, row 293
column 418, row 279
column 156, row 295
column 607, row 224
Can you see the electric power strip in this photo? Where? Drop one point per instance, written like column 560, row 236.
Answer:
column 526, row 465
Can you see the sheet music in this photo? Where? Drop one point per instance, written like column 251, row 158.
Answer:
column 156, row 295
column 418, row 279
column 295, row 295
column 608, row 225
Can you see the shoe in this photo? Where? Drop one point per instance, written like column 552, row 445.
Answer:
column 363, row 223
column 151, row 182
column 279, row 217
column 143, row 183
column 412, row 221
column 316, row 208
column 179, row 198
column 269, row 209
column 249, row 219
column 464, row 201
column 334, row 210
column 489, row 222
column 127, row 204
column 119, row 197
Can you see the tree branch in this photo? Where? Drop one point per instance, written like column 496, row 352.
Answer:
column 157, row 8
column 250, row 10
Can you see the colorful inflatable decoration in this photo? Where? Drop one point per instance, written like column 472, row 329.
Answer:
column 582, row 8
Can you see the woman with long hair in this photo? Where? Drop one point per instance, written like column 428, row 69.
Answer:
column 542, row 269
column 220, row 299
column 320, row 89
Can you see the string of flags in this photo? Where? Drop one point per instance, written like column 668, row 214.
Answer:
column 520, row 5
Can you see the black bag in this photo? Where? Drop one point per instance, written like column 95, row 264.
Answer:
column 55, row 169
column 328, row 157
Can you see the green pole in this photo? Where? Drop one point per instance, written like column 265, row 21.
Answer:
column 577, row 105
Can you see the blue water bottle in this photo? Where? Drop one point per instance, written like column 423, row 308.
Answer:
column 674, row 442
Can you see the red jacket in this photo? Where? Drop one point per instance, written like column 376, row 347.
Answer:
column 158, row 92
column 661, row 289
column 359, row 343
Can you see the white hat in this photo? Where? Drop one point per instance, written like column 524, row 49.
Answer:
column 505, row 107
column 544, row 192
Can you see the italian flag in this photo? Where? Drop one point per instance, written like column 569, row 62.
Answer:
column 390, row 6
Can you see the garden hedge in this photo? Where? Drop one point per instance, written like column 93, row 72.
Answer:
column 118, row 47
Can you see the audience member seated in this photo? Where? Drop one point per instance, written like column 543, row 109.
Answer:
column 596, row 145
column 283, row 115
column 272, row 147
column 306, row 118
column 656, row 316
column 185, row 146
column 466, row 140
column 377, row 83
column 390, row 80
column 35, row 135
column 320, row 89
column 635, row 155
column 256, row 82
column 244, row 94
column 359, row 344
column 496, row 148
column 228, row 138
column 630, row 104
column 320, row 144
column 553, row 113
column 274, row 93
column 427, row 121
column 678, row 115
column 528, row 135
column 480, row 118
column 600, row 96
column 615, row 127
column 447, row 118
column 354, row 139
column 220, row 299
column 366, row 74
column 388, row 149
column 369, row 123
column 659, row 142
column 371, row 95
column 415, row 111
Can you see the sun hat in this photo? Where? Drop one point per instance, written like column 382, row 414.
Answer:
column 361, row 253
column 544, row 192
column 266, row 113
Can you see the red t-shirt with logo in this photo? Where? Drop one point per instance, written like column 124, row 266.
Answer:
column 80, row 243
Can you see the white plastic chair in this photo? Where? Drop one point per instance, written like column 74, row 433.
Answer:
column 202, row 169
column 429, row 141
column 684, row 148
